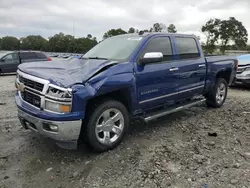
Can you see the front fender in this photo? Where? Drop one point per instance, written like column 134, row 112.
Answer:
column 115, row 78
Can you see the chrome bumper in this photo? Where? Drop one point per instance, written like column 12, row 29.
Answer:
column 66, row 136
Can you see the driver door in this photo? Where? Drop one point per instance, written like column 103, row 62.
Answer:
column 158, row 82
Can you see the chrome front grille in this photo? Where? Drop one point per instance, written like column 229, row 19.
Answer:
column 40, row 93
column 31, row 84
column 31, row 98
column 33, row 89
column 241, row 69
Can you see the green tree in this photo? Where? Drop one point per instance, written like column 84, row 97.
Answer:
column 232, row 31
column 34, row 42
column 0, row 43
column 158, row 27
column 171, row 28
column 113, row 32
column 89, row 36
column 10, row 43
column 212, row 31
column 225, row 32
column 248, row 48
column 131, row 30
column 62, row 43
column 84, row 44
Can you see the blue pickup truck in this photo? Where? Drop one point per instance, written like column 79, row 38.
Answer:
column 146, row 75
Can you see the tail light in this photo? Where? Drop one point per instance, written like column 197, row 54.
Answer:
column 49, row 59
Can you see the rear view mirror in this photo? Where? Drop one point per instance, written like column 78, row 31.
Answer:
column 152, row 57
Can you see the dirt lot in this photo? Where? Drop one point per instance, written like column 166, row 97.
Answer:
column 175, row 151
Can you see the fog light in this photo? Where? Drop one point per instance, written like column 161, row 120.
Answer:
column 54, row 128
column 50, row 127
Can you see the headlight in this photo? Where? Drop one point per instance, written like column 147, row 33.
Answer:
column 58, row 99
column 59, row 93
column 59, row 107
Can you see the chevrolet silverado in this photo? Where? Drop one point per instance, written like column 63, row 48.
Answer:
column 146, row 75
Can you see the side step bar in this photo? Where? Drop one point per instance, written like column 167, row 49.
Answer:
column 161, row 113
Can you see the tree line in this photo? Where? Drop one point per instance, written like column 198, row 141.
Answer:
column 220, row 35
column 58, row 43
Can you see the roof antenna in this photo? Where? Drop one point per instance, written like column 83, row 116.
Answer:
column 141, row 32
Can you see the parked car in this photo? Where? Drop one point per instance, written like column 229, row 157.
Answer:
column 10, row 60
column 74, row 57
column 146, row 75
column 243, row 73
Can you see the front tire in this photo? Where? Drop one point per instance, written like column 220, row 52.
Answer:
column 218, row 94
column 107, row 125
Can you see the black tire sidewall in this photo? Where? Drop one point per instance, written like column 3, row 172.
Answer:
column 92, row 140
column 218, row 82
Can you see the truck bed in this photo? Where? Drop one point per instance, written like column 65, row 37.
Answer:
column 210, row 59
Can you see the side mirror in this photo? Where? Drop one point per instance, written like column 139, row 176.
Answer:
column 2, row 60
column 151, row 57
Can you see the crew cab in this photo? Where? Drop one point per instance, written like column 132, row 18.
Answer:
column 145, row 75
column 9, row 60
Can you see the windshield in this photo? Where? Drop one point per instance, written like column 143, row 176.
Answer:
column 116, row 48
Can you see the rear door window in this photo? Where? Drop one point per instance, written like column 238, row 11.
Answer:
column 187, row 48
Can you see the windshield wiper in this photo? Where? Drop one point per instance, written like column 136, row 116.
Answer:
column 98, row 58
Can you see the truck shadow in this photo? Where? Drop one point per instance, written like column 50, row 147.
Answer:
column 86, row 161
column 138, row 129
column 138, row 126
column 240, row 87
column 7, row 74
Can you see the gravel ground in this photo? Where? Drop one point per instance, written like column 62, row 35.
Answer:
column 200, row 147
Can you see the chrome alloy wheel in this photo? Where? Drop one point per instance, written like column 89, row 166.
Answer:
column 221, row 93
column 109, row 126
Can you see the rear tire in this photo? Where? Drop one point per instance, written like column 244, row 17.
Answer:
column 106, row 125
column 218, row 94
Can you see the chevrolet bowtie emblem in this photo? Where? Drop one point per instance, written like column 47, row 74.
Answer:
column 21, row 87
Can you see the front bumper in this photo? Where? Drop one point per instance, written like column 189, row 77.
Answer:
column 66, row 136
column 243, row 78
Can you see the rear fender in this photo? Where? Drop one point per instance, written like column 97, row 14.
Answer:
column 225, row 69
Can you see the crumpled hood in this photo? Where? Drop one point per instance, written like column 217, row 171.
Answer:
column 66, row 73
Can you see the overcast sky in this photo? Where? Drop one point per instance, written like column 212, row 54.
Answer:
column 47, row 17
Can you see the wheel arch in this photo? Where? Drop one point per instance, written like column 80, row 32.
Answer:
column 225, row 74
column 121, row 95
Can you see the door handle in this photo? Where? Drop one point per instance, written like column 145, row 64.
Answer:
column 174, row 69
column 202, row 65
